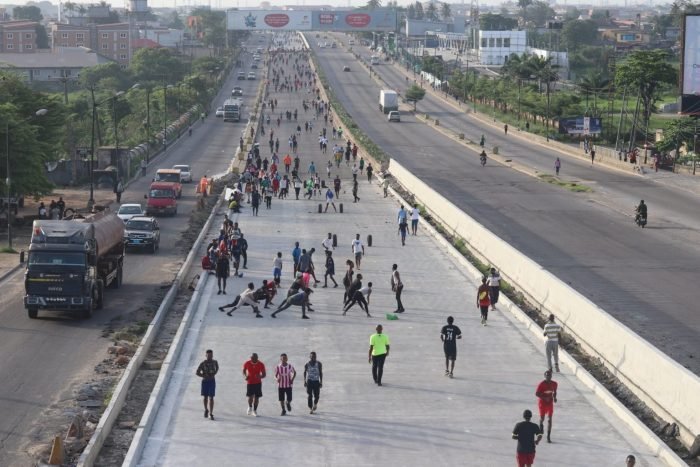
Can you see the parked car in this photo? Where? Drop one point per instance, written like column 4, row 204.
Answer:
column 219, row 112
column 241, row 75
column 142, row 232
column 252, row 75
column 394, row 116
column 127, row 211
column 254, row 65
column 346, row 68
column 237, row 91
column 185, row 174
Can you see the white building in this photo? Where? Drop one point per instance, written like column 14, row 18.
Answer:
column 51, row 66
column 496, row 46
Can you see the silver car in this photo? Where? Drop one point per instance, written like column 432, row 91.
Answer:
column 185, row 173
column 127, row 211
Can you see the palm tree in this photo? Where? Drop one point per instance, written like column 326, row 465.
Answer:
column 593, row 83
column 82, row 9
column 431, row 12
column 445, row 11
column 372, row 4
column 519, row 68
column 69, row 6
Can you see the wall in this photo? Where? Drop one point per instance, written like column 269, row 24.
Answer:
column 646, row 370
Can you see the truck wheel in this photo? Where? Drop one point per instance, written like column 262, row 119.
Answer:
column 87, row 312
column 117, row 282
column 32, row 312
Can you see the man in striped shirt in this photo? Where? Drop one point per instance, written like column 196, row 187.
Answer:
column 285, row 374
column 552, row 332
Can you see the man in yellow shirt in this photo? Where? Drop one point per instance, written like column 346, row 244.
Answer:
column 378, row 351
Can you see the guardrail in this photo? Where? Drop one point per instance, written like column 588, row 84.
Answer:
column 642, row 367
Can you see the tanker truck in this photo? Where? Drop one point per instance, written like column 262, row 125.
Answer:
column 72, row 261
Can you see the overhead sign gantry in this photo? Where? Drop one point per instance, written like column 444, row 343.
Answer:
column 380, row 19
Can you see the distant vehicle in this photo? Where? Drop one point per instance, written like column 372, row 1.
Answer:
column 72, row 262
column 256, row 58
column 232, row 110
column 237, row 91
column 241, row 75
column 127, row 211
column 142, row 232
column 346, row 68
column 321, row 45
column 254, row 65
column 162, row 199
column 259, row 50
column 334, row 45
column 252, row 75
column 219, row 112
column 388, row 100
column 185, row 174
column 394, row 116
column 317, row 35
column 350, row 42
column 374, row 60
column 170, row 176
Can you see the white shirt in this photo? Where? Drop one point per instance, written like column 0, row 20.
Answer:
column 365, row 290
column 327, row 244
column 552, row 330
column 415, row 214
column 357, row 246
column 494, row 281
column 277, row 263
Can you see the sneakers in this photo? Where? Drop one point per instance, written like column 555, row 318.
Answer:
column 283, row 413
column 211, row 416
column 250, row 411
column 305, row 317
column 258, row 315
column 221, row 309
column 556, row 367
column 273, row 315
column 289, row 406
column 218, row 293
column 229, row 313
column 450, row 374
column 255, row 414
column 313, row 409
column 206, row 414
column 482, row 321
column 447, row 372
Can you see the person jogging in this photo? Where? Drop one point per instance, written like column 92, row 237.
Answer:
column 449, row 335
column 247, row 297
column 483, row 301
column 207, row 370
column 528, row 435
column 378, row 352
column 285, row 375
column 253, row 373
column 313, row 381
column 546, row 392
column 552, row 331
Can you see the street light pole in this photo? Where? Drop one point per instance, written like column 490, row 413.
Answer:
column 8, row 180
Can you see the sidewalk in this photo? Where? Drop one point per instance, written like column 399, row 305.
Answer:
column 419, row 417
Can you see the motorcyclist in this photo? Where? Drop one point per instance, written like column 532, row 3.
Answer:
column 482, row 157
column 641, row 210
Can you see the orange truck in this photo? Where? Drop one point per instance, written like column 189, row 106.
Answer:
column 171, row 176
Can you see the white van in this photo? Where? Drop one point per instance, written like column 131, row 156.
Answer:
column 374, row 60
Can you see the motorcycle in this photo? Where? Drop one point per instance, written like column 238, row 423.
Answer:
column 640, row 219
column 482, row 158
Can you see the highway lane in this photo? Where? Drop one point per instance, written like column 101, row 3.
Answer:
column 44, row 359
column 646, row 279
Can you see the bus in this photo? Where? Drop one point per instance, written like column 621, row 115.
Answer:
column 232, row 110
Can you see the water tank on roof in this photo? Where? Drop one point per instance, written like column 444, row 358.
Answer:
column 138, row 6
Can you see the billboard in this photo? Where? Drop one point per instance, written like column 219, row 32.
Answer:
column 380, row 19
column 581, row 125
column 690, row 65
column 268, row 20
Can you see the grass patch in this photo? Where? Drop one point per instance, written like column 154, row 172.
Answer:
column 571, row 186
column 8, row 250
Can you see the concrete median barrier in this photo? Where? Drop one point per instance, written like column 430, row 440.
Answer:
column 667, row 387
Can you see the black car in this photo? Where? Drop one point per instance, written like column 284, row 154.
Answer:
column 142, row 232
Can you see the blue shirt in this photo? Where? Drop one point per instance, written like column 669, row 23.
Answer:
column 296, row 254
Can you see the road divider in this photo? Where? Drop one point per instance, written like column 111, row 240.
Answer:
column 644, row 369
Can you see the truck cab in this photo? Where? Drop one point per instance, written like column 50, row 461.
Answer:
column 161, row 199
column 173, row 176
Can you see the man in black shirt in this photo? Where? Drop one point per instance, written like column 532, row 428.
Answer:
column 449, row 335
column 528, row 435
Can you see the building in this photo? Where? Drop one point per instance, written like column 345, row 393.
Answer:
column 69, row 36
column 170, row 38
column 496, row 46
column 50, row 66
column 113, row 42
column 18, row 37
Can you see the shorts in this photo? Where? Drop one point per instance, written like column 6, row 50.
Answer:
column 546, row 408
column 451, row 353
column 358, row 257
column 208, row 387
column 254, row 390
column 276, row 272
column 282, row 392
column 525, row 458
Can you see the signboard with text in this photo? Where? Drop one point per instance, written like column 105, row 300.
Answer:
column 581, row 126
column 380, row 19
column 690, row 65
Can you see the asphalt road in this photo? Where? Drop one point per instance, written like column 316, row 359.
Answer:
column 645, row 278
column 44, row 359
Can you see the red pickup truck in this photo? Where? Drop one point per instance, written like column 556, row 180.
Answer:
column 162, row 199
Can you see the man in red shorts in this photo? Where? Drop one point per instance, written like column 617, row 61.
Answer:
column 547, row 393
column 528, row 435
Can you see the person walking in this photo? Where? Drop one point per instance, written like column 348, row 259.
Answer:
column 223, row 270
column 546, row 393
column 402, row 215
column 313, row 381
column 300, row 298
column 557, row 165
column 277, row 267
column 403, row 231
column 355, row 187
column 330, row 270
column 378, row 352
column 255, row 201
column 119, row 189
column 329, row 200
column 327, row 243
column 361, row 297
column 243, row 244
column 358, row 249
column 207, row 370
column 296, row 255
column 247, row 297
column 415, row 217
column 552, row 331
column 483, row 301
column 449, row 335
column 528, row 435
column 285, row 375
column 494, row 283
column 370, row 169
column 397, row 287
column 254, row 372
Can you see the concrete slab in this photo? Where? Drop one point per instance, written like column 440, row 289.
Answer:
column 419, row 417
